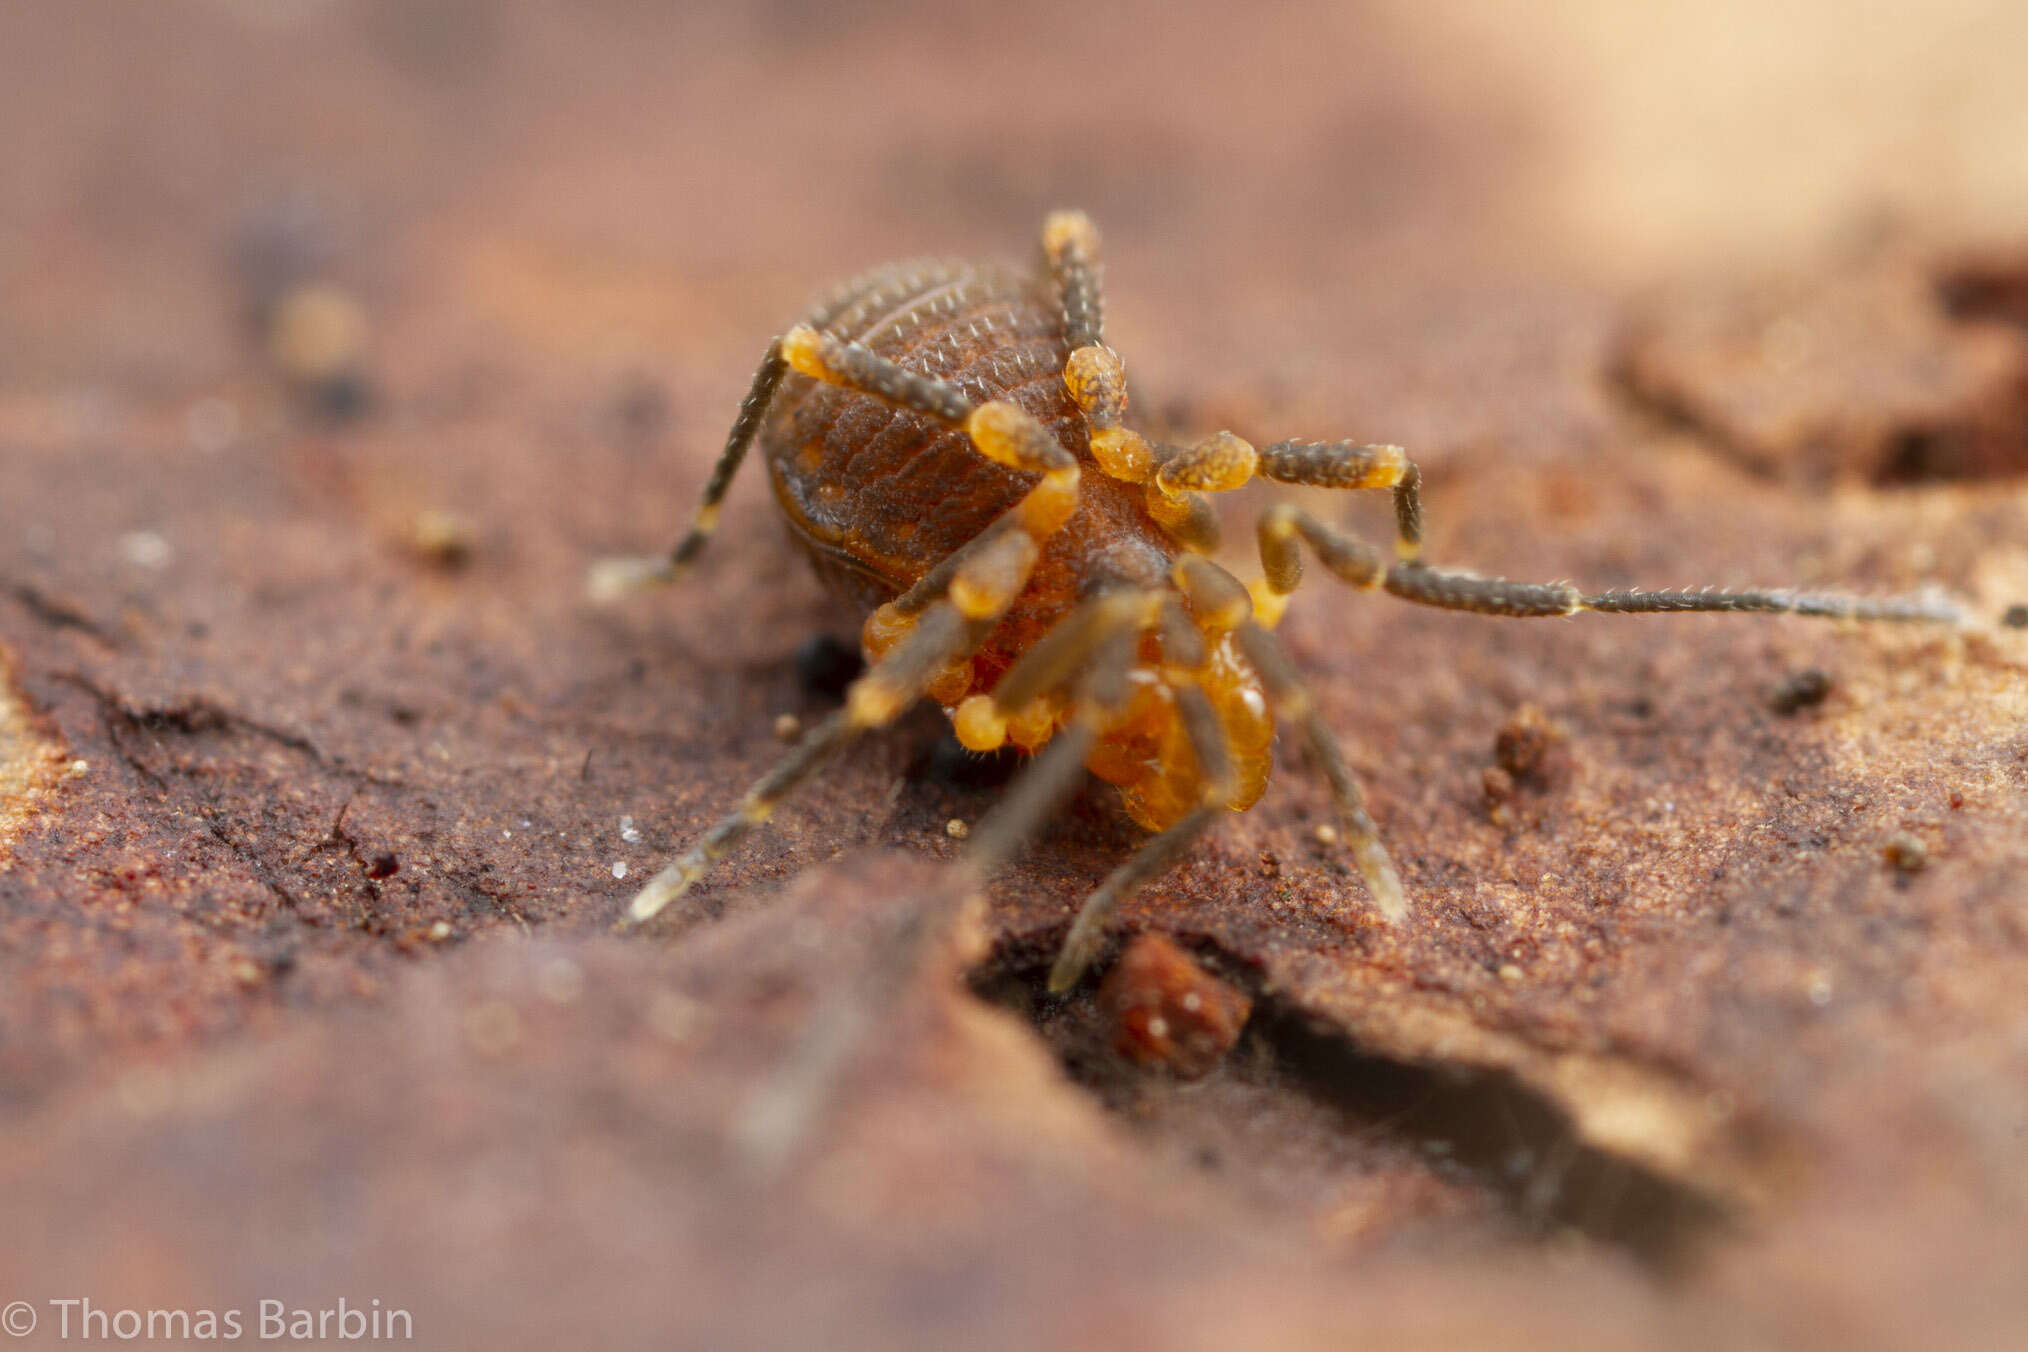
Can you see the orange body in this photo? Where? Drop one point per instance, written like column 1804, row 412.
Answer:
column 877, row 496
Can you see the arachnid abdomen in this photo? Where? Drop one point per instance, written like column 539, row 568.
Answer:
column 879, row 495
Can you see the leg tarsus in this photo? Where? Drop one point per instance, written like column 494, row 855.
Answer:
column 1897, row 609
column 1080, row 946
column 1294, row 704
column 815, row 751
column 613, row 578
column 875, row 699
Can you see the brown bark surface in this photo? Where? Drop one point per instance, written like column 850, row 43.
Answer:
column 340, row 339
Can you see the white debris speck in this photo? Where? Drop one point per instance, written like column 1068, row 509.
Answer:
column 629, row 832
column 145, row 549
column 620, row 868
column 1819, row 990
column 505, row 834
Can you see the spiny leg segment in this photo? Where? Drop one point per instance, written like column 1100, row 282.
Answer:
column 1355, row 562
column 1070, row 244
column 1223, row 462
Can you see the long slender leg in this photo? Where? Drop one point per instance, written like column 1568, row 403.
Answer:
column 782, row 1113
column 612, row 578
column 979, row 594
column 1219, row 602
column 1361, row 565
column 874, row 700
column 1214, row 765
column 1294, row 705
column 1001, row 431
column 1223, row 604
column 1283, row 528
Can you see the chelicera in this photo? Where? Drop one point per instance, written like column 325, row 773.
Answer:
column 949, row 445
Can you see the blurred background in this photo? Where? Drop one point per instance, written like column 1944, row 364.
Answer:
column 609, row 183
column 337, row 337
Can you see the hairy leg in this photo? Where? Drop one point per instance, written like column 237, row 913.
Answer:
column 1282, row 527
column 612, row 578
column 783, row 1113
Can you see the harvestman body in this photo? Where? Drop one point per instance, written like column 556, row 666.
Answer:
column 948, row 443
